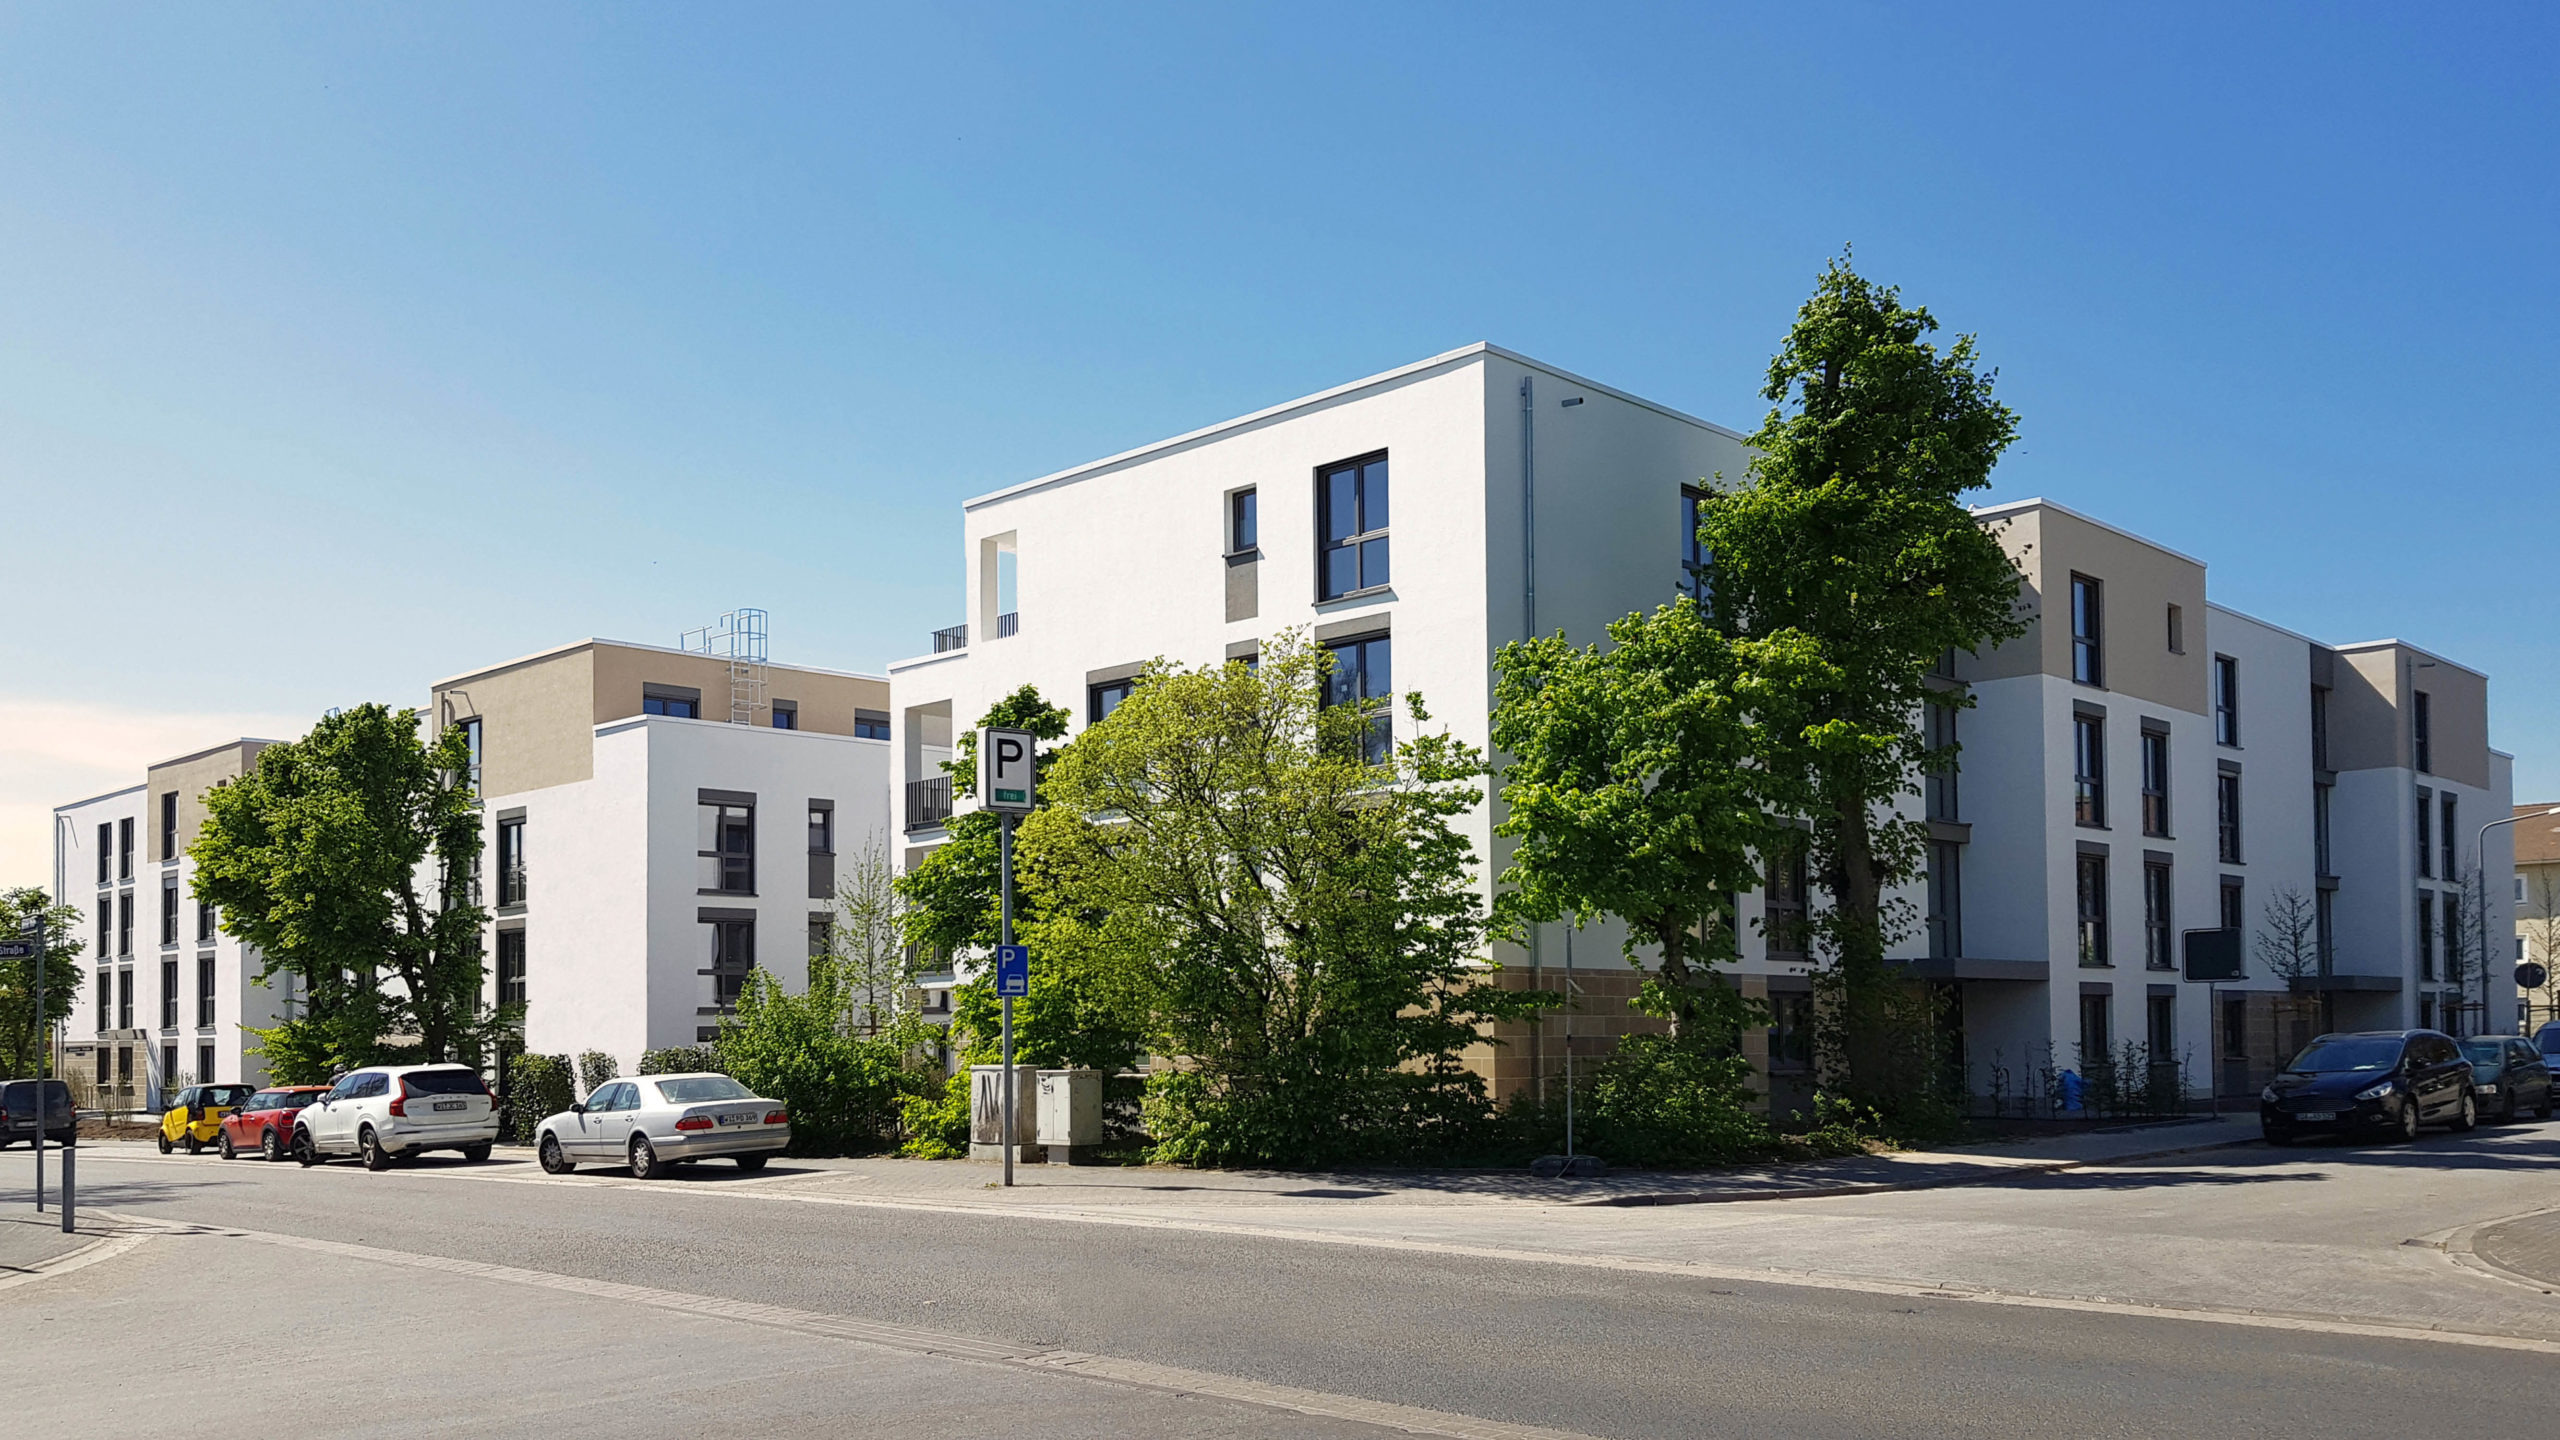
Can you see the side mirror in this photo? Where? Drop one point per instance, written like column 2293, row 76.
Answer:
column 578, row 1108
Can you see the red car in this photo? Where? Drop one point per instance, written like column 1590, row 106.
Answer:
column 265, row 1123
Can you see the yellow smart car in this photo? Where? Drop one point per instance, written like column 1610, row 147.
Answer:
column 194, row 1119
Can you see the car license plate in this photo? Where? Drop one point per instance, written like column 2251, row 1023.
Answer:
column 453, row 1104
column 2317, row 1115
column 737, row 1119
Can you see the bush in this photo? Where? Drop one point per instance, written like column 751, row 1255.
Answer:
column 844, row 1091
column 538, row 1087
column 1400, row 1118
column 682, row 1060
column 935, row 1118
column 1661, row 1100
column 595, row 1068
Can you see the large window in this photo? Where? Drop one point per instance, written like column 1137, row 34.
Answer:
column 1938, row 787
column 2088, row 770
column 2447, row 865
column 2422, row 733
column 1363, row 675
column 168, row 994
column 511, row 967
column 1946, row 899
column 2426, row 934
column 1352, row 526
column 511, row 888
column 728, row 848
column 2087, row 664
column 168, row 824
column 1102, row 699
column 870, row 724
column 1693, row 551
column 1782, row 905
column 2426, row 834
column 733, row 957
column 169, row 911
column 2155, row 782
column 2226, row 700
column 2093, row 911
column 204, row 990
column 1244, row 522
column 2226, row 816
column 2159, row 933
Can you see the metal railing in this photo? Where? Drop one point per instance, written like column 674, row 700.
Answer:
column 511, row 885
column 951, row 637
column 928, row 802
column 1008, row 623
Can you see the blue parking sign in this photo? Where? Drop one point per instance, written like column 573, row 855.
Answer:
column 1013, row 971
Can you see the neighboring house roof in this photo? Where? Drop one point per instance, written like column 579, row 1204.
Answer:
column 2537, row 835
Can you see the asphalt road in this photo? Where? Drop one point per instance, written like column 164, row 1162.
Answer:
column 1573, row 1349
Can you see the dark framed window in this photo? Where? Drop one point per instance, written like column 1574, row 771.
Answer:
column 2087, row 662
column 124, row 923
column 511, row 967
column 106, row 927
column 2235, row 1027
column 2447, row 827
column 2093, row 911
column 106, row 852
column 2226, row 816
column 822, row 830
column 169, row 912
column 106, row 999
column 511, row 877
column 124, row 998
column 728, row 848
column 1782, row 905
column 168, row 1065
column 2088, row 770
column 2159, row 929
column 2426, row 934
column 204, row 1062
column 2177, row 631
column 2422, row 733
column 786, row 716
column 168, row 824
column 2320, row 830
column 1351, row 527
column 1938, row 787
column 471, row 741
column 1364, row 675
column 208, row 922
column 2426, row 834
column 1946, row 899
column 2161, row 1011
column 2097, row 1039
column 1694, row 561
column 2226, row 700
column 672, row 705
column 1244, row 522
column 2155, row 782
column 822, row 935
column 1102, row 699
column 2320, row 728
column 733, row 958
column 168, row 994
column 1791, row 1030
column 124, row 849
column 204, row 990
column 2234, row 903
column 870, row 724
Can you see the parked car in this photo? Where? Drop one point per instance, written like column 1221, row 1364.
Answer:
column 2547, row 1040
column 657, row 1122
column 264, row 1122
column 194, row 1118
column 2509, row 1076
column 389, row 1113
column 18, row 1113
column 2376, row 1082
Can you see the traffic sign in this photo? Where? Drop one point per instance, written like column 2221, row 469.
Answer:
column 2530, row 975
column 1013, row 971
column 1005, row 779
column 2213, row 955
column 17, row 949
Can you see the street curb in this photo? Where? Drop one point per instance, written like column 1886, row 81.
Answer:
column 2457, row 1248
column 1889, row 1187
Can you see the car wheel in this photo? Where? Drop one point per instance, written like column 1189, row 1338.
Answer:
column 229, row 1151
column 475, row 1153
column 752, row 1163
column 369, row 1150
column 644, row 1159
column 2468, row 1117
column 194, row 1145
column 164, row 1142
column 305, row 1153
column 269, row 1148
column 2408, row 1119
column 555, row 1161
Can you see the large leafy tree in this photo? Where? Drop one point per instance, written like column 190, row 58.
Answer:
column 22, row 1032
column 1850, row 538
column 346, row 858
column 1632, row 792
column 1305, row 923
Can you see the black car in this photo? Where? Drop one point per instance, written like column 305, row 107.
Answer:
column 18, row 1112
column 2377, row 1082
column 2509, row 1075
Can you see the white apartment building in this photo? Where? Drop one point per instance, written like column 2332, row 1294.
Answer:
column 1415, row 521
column 166, row 992
column 661, row 823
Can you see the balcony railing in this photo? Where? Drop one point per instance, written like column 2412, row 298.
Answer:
column 955, row 637
column 928, row 802
column 511, row 885
column 1008, row 623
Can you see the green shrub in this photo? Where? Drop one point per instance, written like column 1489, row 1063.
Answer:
column 1665, row 1101
column 682, row 1060
column 538, row 1087
column 595, row 1068
column 844, row 1091
column 935, row 1118
column 1315, row 1119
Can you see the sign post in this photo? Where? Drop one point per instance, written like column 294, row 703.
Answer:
column 1008, row 785
column 32, row 948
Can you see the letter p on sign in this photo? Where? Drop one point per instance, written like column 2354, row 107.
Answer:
column 1005, row 781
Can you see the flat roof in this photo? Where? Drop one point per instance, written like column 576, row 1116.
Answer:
column 210, row 750
column 2038, row 502
column 1448, row 359
column 106, row 795
column 576, row 645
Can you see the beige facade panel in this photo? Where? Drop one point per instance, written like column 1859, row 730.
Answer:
column 2138, row 584
column 826, row 699
column 190, row 776
column 537, row 719
column 2372, row 713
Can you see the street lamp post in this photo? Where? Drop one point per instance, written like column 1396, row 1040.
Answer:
column 2482, row 849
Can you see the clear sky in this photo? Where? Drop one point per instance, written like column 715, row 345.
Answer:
column 344, row 348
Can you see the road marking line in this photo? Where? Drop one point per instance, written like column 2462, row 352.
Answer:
column 1101, row 1368
column 105, row 1248
column 1640, row 1264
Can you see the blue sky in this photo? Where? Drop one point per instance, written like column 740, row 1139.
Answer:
column 340, row 350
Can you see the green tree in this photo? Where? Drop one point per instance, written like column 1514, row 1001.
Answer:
column 1850, row 540
column 1304, row 923
column 950, row 901
column 864, row 939
column 346, row 858
column 22, row 1034
column 842, row 1088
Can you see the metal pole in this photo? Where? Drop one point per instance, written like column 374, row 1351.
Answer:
column 44, row 1107
column 70, row 1185
column 1568, row 1047
column 1004, row 865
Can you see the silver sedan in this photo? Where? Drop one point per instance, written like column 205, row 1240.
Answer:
column 657, row 1122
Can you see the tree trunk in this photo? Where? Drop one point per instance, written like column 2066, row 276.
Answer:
column 1858, row 898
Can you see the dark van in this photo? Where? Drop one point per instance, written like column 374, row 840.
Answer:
column 18, row 1112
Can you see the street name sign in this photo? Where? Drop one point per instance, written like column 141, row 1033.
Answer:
column 1005, row 780
column 17, row 949
column 1013, row 971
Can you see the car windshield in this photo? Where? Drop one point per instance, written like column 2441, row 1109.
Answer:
column 225, row 1094
column 695, row 1089
column 443, row 1082
column 2348, row 1052
column 2492, row 1053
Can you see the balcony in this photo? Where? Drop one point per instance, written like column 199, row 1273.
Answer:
column 1008, row 623
column 928, row 802
column 955, row 637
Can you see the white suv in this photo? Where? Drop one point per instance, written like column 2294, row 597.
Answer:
column 389, row 1112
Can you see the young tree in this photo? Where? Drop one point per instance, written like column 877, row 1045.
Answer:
column 2287, row 943
column 2466, row 960
column 1307, row 921
column 1632, row 793
column 1851, row 538
column 346, row 858
column 863, row 938
column 23, row 1034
